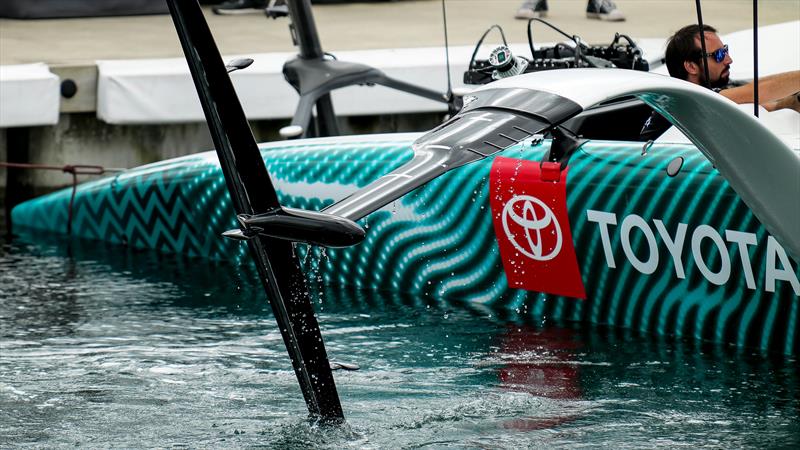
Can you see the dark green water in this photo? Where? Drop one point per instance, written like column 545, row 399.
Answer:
column 104, row 347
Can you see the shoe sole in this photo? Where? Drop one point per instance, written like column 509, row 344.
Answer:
column 604, row 17
column 528, row 16
column 236, row 12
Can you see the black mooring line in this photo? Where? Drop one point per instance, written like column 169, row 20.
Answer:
column 446, row 51
column 704, row 58
column 755, row 57
column 252, row 192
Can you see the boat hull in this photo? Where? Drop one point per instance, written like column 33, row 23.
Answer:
column 665, row 252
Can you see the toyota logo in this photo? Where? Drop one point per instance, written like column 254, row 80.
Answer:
column 535, row 219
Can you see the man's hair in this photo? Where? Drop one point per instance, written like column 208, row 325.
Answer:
column 681, row 47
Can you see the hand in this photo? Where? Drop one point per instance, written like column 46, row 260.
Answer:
column 796, row 103
column 789, row 102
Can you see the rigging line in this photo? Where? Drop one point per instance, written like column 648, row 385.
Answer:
column 530, row 40
column 573, row 37
column 78, row 169
column 480, row 42
column 755, row 57
column 703, row 57
column 74, row 170
column 447, row 51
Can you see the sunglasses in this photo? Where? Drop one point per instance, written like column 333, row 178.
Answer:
column 718, row 54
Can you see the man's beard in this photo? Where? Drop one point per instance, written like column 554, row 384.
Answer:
column 720, row 82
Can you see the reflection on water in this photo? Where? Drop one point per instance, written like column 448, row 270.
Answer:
column 108, row 347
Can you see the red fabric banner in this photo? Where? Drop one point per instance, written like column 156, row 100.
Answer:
column 529, row 211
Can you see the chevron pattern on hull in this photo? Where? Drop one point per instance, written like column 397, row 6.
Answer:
column 168, row 207
column 182, row 205
column 438, row 244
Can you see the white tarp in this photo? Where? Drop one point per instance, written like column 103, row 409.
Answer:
column 29, row 95
column 778, row 50
column 161, row 90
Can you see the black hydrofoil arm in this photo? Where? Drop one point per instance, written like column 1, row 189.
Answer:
column 253, row 194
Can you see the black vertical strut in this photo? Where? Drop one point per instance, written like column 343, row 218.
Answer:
column 314, row 76
column 252, row 193
column 703, row 57
column 755, row 57
column 311, row 49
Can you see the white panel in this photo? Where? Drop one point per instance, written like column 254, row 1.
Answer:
column 161, row 90
column 29, row 95
column 778, row 50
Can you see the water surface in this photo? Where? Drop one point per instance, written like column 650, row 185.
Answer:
column 102, row 346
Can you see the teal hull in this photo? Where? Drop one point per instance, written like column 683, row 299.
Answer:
column 675, row 255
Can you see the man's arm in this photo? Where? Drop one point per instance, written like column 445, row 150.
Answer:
column 770, row 89
column 791, row 101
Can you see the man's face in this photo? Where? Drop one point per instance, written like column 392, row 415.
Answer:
column 718, row 72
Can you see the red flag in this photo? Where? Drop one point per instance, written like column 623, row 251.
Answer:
column 529, row 211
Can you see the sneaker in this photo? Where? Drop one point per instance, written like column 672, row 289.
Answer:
column 532, row 9
column 240, row 7
column 604, row 10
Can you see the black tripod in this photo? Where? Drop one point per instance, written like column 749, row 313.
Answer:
column 314, row 76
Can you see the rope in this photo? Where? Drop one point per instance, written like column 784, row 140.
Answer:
column 73, row 169
column 755, row 58
column 703, row 57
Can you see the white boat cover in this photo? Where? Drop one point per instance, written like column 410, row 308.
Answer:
column 161, row 90
column 29, row 95
column 153, row 91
